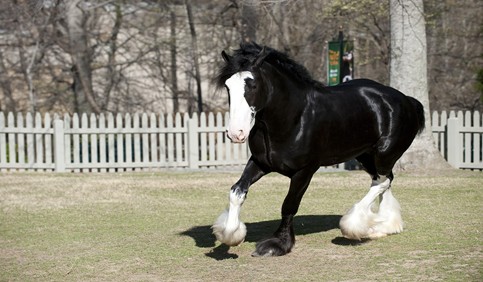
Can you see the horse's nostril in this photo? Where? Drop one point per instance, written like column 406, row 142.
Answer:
column 241, row 135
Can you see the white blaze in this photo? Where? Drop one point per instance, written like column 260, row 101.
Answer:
column 240, row 112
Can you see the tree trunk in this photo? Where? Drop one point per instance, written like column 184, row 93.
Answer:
column 408, row 74
column 112, row 76
column 27, row 65
column 79, row 51
column 9, row 103
column 194, row 50
column 174, row 64
column 249, row 20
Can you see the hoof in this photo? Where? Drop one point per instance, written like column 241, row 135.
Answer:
column 375, row 235
column 231, row 235
column 272, row 247
column 356, row 224
column 386, row 228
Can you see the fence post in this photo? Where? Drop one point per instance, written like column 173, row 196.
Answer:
column 193, row 149
column 59, row 145
column 454, row 142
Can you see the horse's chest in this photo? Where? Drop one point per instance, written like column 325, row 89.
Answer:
column 278, row 155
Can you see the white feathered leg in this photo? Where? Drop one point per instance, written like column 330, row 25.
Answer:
column 228, row 228
column 358, row 222
column 388, row 220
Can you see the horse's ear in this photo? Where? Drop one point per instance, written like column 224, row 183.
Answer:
column 225, row 56
column 260, row 57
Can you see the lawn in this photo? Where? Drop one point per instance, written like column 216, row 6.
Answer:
column 156, row 227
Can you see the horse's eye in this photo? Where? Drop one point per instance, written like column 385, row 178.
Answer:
column 250, row 83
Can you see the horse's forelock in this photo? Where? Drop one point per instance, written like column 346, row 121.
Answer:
column 241, row 60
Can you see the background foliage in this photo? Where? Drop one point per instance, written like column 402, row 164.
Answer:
column 127, row 56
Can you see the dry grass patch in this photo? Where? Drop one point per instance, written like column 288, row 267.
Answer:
column 155, row 226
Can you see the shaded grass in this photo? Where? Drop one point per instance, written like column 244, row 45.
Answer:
column 155, row 226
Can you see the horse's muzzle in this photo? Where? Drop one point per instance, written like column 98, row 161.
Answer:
column 238, row 136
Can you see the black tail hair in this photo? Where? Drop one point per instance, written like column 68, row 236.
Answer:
column 419, row 114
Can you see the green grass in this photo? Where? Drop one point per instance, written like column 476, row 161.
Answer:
column 155, row 227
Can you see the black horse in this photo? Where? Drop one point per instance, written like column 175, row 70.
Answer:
column 300, row 125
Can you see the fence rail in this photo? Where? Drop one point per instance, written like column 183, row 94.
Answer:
column 459, row 138
column 108, row 143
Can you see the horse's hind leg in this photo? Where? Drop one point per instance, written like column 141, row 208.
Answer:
column 359, row 221
column 367, row 220
column 389, row 220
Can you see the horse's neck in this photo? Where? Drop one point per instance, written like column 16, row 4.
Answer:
column 287, row 103
column 286, row 92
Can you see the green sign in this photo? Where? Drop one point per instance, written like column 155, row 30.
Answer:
column 339, row 66
column 333, row 63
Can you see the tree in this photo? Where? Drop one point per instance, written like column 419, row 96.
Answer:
column 479, row 83
column 81, row 56
column 408, row 74
column 249, row 20
column 194, row 50
column 173, row 55
column 366, row 22
column 128, row 56
column 454, row 53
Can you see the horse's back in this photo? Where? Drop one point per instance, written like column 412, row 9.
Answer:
column 371, row 116
column 380, row 99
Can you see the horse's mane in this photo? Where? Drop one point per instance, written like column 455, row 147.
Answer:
column 243, row 58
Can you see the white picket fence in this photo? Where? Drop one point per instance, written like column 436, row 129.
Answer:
column 108, row 143
column 459, row 138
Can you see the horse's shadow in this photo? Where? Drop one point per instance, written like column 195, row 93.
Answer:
column 303, row 225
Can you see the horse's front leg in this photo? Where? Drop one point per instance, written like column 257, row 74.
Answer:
column 283, row 239
column 228, row 228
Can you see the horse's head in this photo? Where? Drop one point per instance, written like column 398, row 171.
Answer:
column 247, row 92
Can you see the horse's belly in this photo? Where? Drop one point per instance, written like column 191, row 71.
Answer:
column 323, row 149
column 343, row 150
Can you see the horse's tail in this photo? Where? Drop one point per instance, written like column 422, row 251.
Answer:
column 419, row 110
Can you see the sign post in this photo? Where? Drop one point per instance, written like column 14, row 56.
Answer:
column 340, row 61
